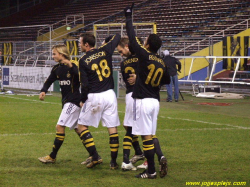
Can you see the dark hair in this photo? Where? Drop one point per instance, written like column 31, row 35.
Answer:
column 88, row 38
column 131, row 48
column 154, row 42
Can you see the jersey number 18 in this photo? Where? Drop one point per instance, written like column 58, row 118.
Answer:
column 105, row 70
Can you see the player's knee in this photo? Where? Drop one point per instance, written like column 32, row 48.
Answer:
column 114, row 138
column 82, row 128
column 60, row 129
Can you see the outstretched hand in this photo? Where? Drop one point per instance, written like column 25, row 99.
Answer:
column 129, row 10
column 42, row 96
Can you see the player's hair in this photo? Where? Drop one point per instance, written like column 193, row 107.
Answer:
column 88, row 38
column 124, row 41
column 62, row 49
column 154, row 42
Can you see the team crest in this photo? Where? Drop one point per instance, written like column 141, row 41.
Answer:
column 68, row 75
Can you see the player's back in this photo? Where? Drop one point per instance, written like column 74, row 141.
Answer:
column 98, row 67
column 129, row 66
column 149, row 74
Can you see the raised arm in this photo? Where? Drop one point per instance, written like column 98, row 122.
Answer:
column 112, row 43
column 134, row 41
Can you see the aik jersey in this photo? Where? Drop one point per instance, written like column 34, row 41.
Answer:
column 150, row 70
column 96, row 69
column 129, row 66
column 68, row 80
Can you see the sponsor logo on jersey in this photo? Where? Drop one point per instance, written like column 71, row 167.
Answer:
column 68, row 75
column 62, row 83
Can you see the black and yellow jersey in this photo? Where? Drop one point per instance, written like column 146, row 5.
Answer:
column 68, row 80
column 150, row 68
column 96, row 72
column 129, row 66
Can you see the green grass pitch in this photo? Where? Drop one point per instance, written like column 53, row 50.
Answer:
column 202, row 143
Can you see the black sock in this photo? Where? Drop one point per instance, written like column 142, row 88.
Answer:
column 127, row 143
column 57, row 144
column 82, row 141
column 114, row 145
column 149, row 152
column 88, row 142
column 157, row 148
column 136, row 145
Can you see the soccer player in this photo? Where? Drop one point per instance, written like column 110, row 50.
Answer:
column 146, row 94
column 97, row 94
column 129, row 67
column 67, row 74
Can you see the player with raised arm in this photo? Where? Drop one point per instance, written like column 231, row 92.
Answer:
column 151, row 69
column 128, row 68
column 97, row 94
column 67, row 74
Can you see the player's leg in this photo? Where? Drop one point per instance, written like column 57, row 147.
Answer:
column 60, row 135
column 149, row 152
column 137, row 148
column 67, row 118
column 90, row 158
column 138, row 152
column 127, row 143
column 161, row 158
column 144, row 124
column 110, row 119
column 89, row 144
column 114, row 145
column 129, row 138
column 157, row 147
column 157, row 151
column 89, row 117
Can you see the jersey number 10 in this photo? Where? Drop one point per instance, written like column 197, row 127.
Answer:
column 153, row 75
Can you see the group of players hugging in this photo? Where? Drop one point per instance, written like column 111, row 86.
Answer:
column 88, row 97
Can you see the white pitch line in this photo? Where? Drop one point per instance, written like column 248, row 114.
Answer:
column 29, row 134
column 212, row 123
column 122, row 131
column 200, row 129
column 198, row 121
column 38, row 101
